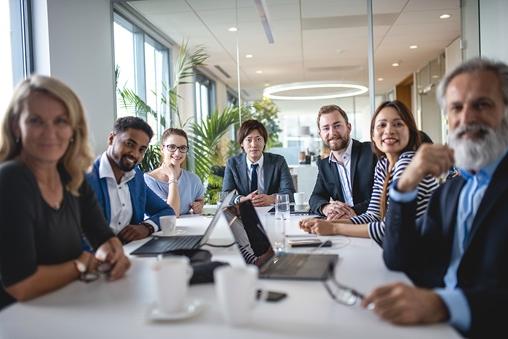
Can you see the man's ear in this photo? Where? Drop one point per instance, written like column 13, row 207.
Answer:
column 349, row 127
column 111, row 136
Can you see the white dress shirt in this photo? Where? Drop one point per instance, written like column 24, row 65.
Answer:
column 260, row 172
column 344, row 169
column 119, row 195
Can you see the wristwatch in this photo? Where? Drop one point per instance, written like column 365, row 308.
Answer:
column 84, row 274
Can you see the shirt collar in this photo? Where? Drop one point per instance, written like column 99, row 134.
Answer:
column 485, row 173
column 106, row 171
column 259, row 162
column 346, row 155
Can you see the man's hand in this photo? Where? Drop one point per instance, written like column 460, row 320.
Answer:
column 112, row 252
column 430, row 159
column 133, row 232
column 337, row 210
column 259, row 200
column 406, row 305
column 249, row 196
column 197, row 206
column 318, row 226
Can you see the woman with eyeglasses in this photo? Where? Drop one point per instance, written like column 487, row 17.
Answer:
column 181, row 189
column 256, row 175
column 45, row 203
column 395, row 139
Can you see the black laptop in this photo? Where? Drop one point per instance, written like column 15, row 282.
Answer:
column 304, row 210
column 164, row 244
column 252, row 240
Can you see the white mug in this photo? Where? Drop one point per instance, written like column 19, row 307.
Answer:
column 172, row 275
column 236, row 292
column 299, row 200
column 168, row 224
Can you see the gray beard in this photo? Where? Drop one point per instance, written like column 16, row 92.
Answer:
column 477, row 153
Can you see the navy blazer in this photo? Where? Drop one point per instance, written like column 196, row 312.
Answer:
column 144, row 200
column 277, row 178
column 422, row 249
column 328, row 184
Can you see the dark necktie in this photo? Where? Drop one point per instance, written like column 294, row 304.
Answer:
column 254, row 178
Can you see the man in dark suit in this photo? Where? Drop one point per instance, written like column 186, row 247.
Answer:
column 346, row 176
column 256, row 175
column 456, row 253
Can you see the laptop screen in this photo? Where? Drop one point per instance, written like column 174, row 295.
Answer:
column 249, row 234
column 225, row 202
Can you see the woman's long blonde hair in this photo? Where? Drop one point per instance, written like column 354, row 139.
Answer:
column 78, row 156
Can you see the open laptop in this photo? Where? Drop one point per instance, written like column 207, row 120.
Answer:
column 164, row 244
column 252, row 240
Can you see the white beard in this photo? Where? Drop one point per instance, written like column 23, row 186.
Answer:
column 473, row 154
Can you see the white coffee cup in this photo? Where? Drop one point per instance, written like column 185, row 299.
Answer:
column 299, row 198
column 236, row 292
column 172, row 275
column 168, row 224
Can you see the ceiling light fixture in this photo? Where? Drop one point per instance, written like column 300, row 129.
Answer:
column 341, row 90
column 232, row 29
column 380, row 79
column 259, row 72
column 396, row 64
column 445, row 16
column 248, row 56
column 413, row 46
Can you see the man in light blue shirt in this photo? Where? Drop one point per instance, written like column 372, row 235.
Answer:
column 456, row 253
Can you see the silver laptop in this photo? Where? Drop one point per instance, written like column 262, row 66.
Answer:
column 255, row 247
column 165, row 244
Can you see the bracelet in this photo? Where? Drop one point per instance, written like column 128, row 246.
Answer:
column 148, row 226
column 172, row 181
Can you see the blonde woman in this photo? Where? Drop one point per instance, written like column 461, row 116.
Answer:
column 45, row 204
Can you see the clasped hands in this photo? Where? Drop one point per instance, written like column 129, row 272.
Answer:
column 109, row 258
column 259, row 199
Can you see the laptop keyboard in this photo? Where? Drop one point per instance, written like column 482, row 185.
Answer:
column 166, row 244
column 288, row 264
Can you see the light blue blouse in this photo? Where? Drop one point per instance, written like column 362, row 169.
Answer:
column 190, row 188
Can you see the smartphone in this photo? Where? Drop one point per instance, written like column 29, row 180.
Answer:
column 310, row 242
column 270, row 296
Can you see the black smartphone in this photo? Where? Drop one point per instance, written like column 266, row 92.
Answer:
column 312, row 242
column 270, row 296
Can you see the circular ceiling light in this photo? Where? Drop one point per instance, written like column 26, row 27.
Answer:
column 313, row 90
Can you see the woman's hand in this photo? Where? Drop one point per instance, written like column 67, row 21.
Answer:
column 112, row 252
column 319, row 226
column 197, row 206
column 172, row 171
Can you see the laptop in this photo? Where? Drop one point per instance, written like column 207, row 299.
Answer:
column 164, row 244
column 254, row 245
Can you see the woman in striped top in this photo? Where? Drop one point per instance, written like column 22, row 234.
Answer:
column 395, row 139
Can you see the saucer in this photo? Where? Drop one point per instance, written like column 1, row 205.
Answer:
column 191, row 308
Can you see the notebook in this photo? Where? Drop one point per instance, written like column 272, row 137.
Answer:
column 252, row 240
column 164, row 244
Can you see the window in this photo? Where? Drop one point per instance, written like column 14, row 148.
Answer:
column 142, row 73
column 205, row 96
column 232, row 99
column 15, row 57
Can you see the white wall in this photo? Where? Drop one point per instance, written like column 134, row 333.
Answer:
column 73, row 41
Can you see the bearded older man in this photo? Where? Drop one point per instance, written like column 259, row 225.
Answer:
column 456, row 253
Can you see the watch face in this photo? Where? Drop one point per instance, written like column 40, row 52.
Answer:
column 89, row 276
column 80, row 266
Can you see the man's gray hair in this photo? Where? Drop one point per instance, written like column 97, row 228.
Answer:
column 472, row 66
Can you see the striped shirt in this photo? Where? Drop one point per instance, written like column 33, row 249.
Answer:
column 372, row 216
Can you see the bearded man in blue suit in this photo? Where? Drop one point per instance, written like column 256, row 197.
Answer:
column 131, row 208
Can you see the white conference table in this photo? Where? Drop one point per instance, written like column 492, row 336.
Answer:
column 103, row 309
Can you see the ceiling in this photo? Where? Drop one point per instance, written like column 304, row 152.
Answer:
column 314, row 40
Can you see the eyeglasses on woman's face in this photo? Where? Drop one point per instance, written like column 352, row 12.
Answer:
column 173, row 148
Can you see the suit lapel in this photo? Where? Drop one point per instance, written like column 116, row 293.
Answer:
column 497, row 186
column 334, row 175
column 268, row 169
column 450, row 212
column 243, row 172
column 355, row 155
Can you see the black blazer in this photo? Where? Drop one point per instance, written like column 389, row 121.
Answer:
column 422, row 249
column 277, row 178
column 328, row 184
